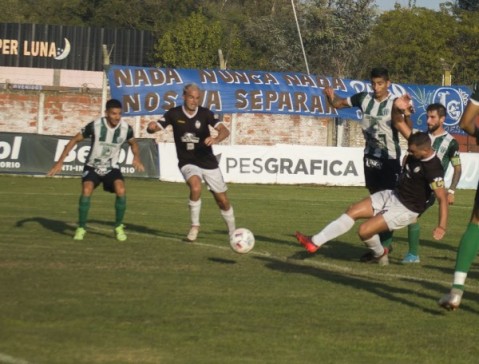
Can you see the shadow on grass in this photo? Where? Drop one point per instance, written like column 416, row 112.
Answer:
column 222, row 260
column 334, row 249
column 441, row 289
column 63, row 228
column 57, row 226
column 349, row 280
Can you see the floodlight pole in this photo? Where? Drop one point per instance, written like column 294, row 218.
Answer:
column 300, row 38
column 106, row 67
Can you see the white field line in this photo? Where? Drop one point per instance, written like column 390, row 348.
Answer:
column 380, row 273
column 7, row 359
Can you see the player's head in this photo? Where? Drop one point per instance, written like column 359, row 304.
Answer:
column 113, row 111
column 191, row 97
column 380, row 82
column 380, row 72
column 419, row 145
column 436, row 115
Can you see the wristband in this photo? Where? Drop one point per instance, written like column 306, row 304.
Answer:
column 451, row 192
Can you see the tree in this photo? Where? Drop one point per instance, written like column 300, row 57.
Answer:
column 469, row 5
column 413, row 43
column 193, row 42
column 334, row 33
column 464, row 44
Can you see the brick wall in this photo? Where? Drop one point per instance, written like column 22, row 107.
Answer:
column 65, row 112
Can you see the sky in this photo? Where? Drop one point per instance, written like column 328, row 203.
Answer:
column 389, row 4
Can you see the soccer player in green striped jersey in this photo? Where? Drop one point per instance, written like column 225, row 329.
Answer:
column 469, row 244
column 380, row 126
column 447, row 150
column 107, row 135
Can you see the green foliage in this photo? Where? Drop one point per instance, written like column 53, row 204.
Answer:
column 412, row 43
column 464, row 43
column 192, row 42
column 334, row 33
column 469, row 5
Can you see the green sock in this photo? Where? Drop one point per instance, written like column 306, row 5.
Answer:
column 83, row 208
column 120, row 208
column 468, row 248
column 413, row 232
column 386, row 238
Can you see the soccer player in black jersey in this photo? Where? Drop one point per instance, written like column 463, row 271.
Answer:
column 390, row 209
column 191, row 125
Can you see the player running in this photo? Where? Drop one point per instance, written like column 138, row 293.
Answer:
column 191, row 130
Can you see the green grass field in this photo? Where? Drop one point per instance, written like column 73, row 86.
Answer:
column 157, row 299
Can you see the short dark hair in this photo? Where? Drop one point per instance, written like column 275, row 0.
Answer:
column 380, row 72
column 440, row 108
column 419, row 138
column 113, row 104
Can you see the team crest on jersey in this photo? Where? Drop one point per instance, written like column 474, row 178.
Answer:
column 386, row 111
column 197, row 124
column 417, row 169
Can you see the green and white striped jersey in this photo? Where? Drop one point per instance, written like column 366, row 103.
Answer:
column 447, row 149
column 106, row 144
column 382, row 139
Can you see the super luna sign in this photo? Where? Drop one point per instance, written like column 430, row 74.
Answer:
column 152, row 91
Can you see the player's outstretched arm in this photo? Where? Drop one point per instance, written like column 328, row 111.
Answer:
column 401, row 115
column 334, row 100
column 57, row 167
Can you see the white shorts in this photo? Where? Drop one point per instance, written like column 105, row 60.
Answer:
column 394, row 212
column 212, row 177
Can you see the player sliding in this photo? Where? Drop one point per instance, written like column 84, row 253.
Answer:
column 380, row 125
column 389, row 210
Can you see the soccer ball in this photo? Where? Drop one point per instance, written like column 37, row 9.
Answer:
column 242, row 241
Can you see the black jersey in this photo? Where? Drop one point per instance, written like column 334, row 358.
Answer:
column 190, row 133
column 417, row 181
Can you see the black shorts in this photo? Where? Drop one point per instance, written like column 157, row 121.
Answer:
column 89, row 174
column 381, row 174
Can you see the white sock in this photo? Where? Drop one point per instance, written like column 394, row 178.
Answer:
column 195, row 208
column 374, row 243
column 460, row 278
column 341, row 225
column 229, row 218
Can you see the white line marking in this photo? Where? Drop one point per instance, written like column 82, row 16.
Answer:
column 311, row 263
column 7, row 359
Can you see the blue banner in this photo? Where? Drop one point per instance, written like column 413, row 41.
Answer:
column 152, row 91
